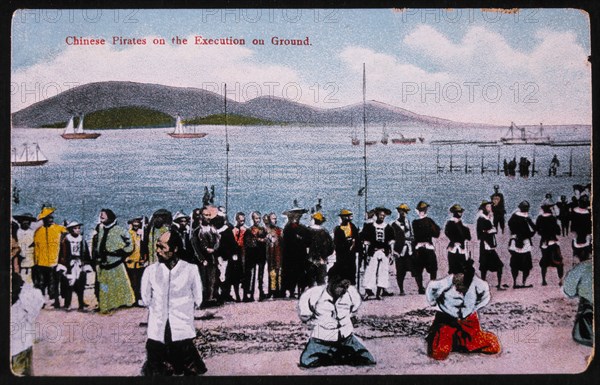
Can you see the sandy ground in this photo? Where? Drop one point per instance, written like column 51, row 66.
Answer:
column 266, row 338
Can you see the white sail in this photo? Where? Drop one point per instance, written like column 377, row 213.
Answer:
column 178, row 126
column 79, row 129
column 24, row 154
column 70, row 129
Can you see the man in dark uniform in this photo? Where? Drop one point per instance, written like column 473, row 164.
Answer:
column 425, row 229
column 486, row 233
column 457, row 234
column 296, row 240
column 320, row 249
column 205, row 243
column 548, row 229
column 498, row 208
column 403, row 248
column 255, row 247
column 581, row 225
column 522, row 229
column 564, row 215
column 347, row 245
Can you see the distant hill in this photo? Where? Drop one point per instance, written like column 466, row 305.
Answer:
column 193, row 104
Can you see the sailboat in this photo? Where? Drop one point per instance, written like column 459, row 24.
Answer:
column 77, row 133
column 523, row 138
column 354, row 137
column 180, row 132
column 29, row 157
column 384, row 135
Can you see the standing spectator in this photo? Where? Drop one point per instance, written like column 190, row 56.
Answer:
column 498, row 208
column 581, row 225
column 522, row 229
column 347, row 245
column 256, row 258
column 171, row 289
column 46, row 248
column 74, row 262
column 379, row 242
column 425, row 229
column 554, row 165
column 181, row 224
column 403, row 247
column 456, row 324
column 25, row 235
column 458, row 234
column 274, row 246
column 329, row 309
column 486, row 233
column 321, row 247
column 26, row 303
column 549, row 230
column 133, row 263
column 228, row 248
column 296, row 240
column 205, row 242
column 111, row 246
column 160, row 222
column 235, row 268
column 564, row 215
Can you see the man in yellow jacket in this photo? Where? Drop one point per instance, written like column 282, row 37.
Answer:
column 46, row 242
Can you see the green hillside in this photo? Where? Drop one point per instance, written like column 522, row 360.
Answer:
column 122, row 117
column 232, row 120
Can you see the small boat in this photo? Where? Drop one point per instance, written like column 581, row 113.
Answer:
column 354, row 137
column 77, row 133
column 524, row 138
column 180, row 133
column 384, row 135
column 370, row 142
column 404, row 140
column 29, row 157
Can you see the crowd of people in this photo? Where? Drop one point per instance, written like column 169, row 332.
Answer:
column 227, row 262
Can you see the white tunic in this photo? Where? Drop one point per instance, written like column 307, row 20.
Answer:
column 330, row 320
column 23, row 314
column 171, row 295
column 443, row 294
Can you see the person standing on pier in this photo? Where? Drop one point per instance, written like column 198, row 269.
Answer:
column 549, row 230
column 425, row 229
column 522, row 229
column 486, row 233
column 403, row 246
column 458, row 234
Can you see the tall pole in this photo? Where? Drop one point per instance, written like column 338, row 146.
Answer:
column 365, row 134
column 226, row 155
column 498, row 169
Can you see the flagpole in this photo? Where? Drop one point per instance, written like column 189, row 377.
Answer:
column 365, row 136
column 226, row 155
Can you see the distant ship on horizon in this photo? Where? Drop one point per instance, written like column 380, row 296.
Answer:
column 77, row 133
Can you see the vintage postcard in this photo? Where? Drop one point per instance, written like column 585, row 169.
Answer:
column 300, row 192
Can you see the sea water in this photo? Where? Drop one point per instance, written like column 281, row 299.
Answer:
column 135, row 172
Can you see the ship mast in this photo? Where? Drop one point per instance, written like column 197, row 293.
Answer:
column 226, row 154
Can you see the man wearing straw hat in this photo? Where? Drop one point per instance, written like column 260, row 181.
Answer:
column 347, row 245
column 46, row 248
column 403, row 247
column 379, row 242
column 425, row 229
column 321, row 247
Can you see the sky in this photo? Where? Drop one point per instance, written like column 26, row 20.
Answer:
column 466, row 65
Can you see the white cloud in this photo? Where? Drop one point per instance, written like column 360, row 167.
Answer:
column 550, row 84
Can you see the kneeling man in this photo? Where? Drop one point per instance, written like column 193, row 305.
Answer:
column 329, row 309
column 456, row 324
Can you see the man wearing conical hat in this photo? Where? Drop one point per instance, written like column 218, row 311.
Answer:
column 347, row 246
column 425, row 229
column 321, row 247
column 403, row 247
column 458, row 234
column 379, row 242
column 46, row 242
